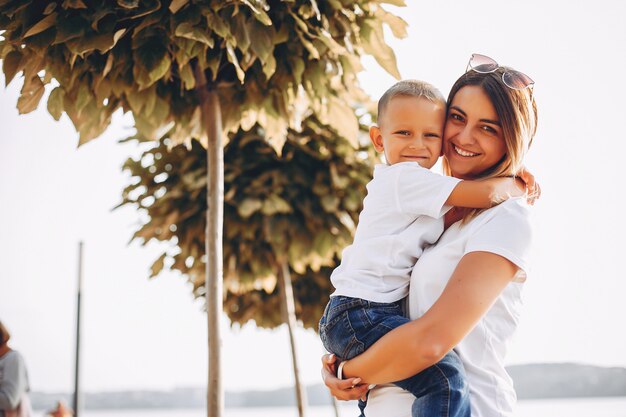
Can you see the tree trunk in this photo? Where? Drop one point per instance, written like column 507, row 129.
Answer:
column 212, row 120
column 289, row 317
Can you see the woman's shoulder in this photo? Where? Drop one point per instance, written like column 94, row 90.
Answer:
column 505, row 230
column 515, row 210
column 12, row 356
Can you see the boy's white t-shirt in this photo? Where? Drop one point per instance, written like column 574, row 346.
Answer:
column 504, row 230
column 402, row 213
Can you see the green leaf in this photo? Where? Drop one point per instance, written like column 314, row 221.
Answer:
column 154, row 58
column 396, row 24
column 161, row 69
column 69, row 28
column 176, row 5
column 150, row 6
column 313, row 52
column 297, row 69
column 248, row 207
column 116, row 37
column 107, row 66
column 269, row 68
column 339, row 182
column 137, row 100
column 50, row 8
column 330, row 203
column 374, row 44
column 101, row 42
column 102, row 89
column 399, row 3
column 260, row 40
column 11, row 65
column 275, row 204
column 185, row 30
column 157, row 266
column 128, row 4
column 218, row 25
column 240, row 30
column 331, row 44
column 74, row 4
column 84, row 97
column 282, row 35
column 342, row 118
column 187, row 77
column 99, row 15
column 55, row 103
column 259, row 13
column 31, row 94
column 44, row 24
column 151, row 99
column 232, row 58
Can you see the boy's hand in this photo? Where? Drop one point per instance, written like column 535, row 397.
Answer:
column 341, row 389
column 532, row 186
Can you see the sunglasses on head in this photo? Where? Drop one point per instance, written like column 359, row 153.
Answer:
column 511, row 78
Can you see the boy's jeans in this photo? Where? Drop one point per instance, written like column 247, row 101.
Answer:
column 350, row 326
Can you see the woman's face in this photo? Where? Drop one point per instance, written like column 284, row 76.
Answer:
column 473, row 140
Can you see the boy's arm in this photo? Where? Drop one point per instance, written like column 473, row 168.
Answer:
column 485, row 193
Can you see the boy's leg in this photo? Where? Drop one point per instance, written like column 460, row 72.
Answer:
column 440, row 390
column 337, row 332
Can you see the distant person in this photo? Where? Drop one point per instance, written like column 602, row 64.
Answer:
column 61, row 410
column 402, row 214
column 14, row 401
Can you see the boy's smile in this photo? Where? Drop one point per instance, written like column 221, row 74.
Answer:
column 410, row 129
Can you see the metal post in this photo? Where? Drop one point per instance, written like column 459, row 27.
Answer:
column 77, row 403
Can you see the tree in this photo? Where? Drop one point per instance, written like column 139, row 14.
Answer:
column 202, row 68
column 287, row 214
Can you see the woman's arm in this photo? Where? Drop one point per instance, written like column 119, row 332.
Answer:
column 485, row 193
column 493, row 191
column 473, row 288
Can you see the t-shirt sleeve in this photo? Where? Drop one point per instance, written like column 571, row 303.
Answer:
column 507, row 233
column 13, row 382
column 423, row 192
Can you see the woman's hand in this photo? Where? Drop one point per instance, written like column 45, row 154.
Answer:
column 341, row 389
column 532, row 186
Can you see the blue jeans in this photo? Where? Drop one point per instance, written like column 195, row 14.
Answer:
column 350, row 326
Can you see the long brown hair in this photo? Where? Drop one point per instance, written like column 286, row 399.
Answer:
column 517, row 112
column 4, row 335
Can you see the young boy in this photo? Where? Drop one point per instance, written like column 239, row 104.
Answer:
column 403, row 213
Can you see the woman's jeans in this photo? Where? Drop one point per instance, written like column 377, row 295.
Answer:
column 350, row 326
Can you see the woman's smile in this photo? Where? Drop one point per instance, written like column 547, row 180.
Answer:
column 463, row 152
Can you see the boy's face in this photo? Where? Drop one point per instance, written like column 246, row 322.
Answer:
column 410, row 129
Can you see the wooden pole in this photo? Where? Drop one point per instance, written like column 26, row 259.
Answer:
column 77, row 400
column 212, row 121
column 289, row 317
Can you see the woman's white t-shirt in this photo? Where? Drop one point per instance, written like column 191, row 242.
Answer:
column 504, row 230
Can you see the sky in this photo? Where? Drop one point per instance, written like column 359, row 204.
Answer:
column 151, row 334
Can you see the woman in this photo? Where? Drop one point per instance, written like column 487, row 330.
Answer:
column 14, row 401
column 465, row 291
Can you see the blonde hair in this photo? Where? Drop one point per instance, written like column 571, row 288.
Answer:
column 517, row 112
column 410, row 88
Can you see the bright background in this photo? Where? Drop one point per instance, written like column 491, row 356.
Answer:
column 152, row 334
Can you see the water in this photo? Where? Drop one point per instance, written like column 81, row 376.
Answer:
column 580, row 407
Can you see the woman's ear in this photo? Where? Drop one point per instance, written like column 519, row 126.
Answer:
column 377, row 138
